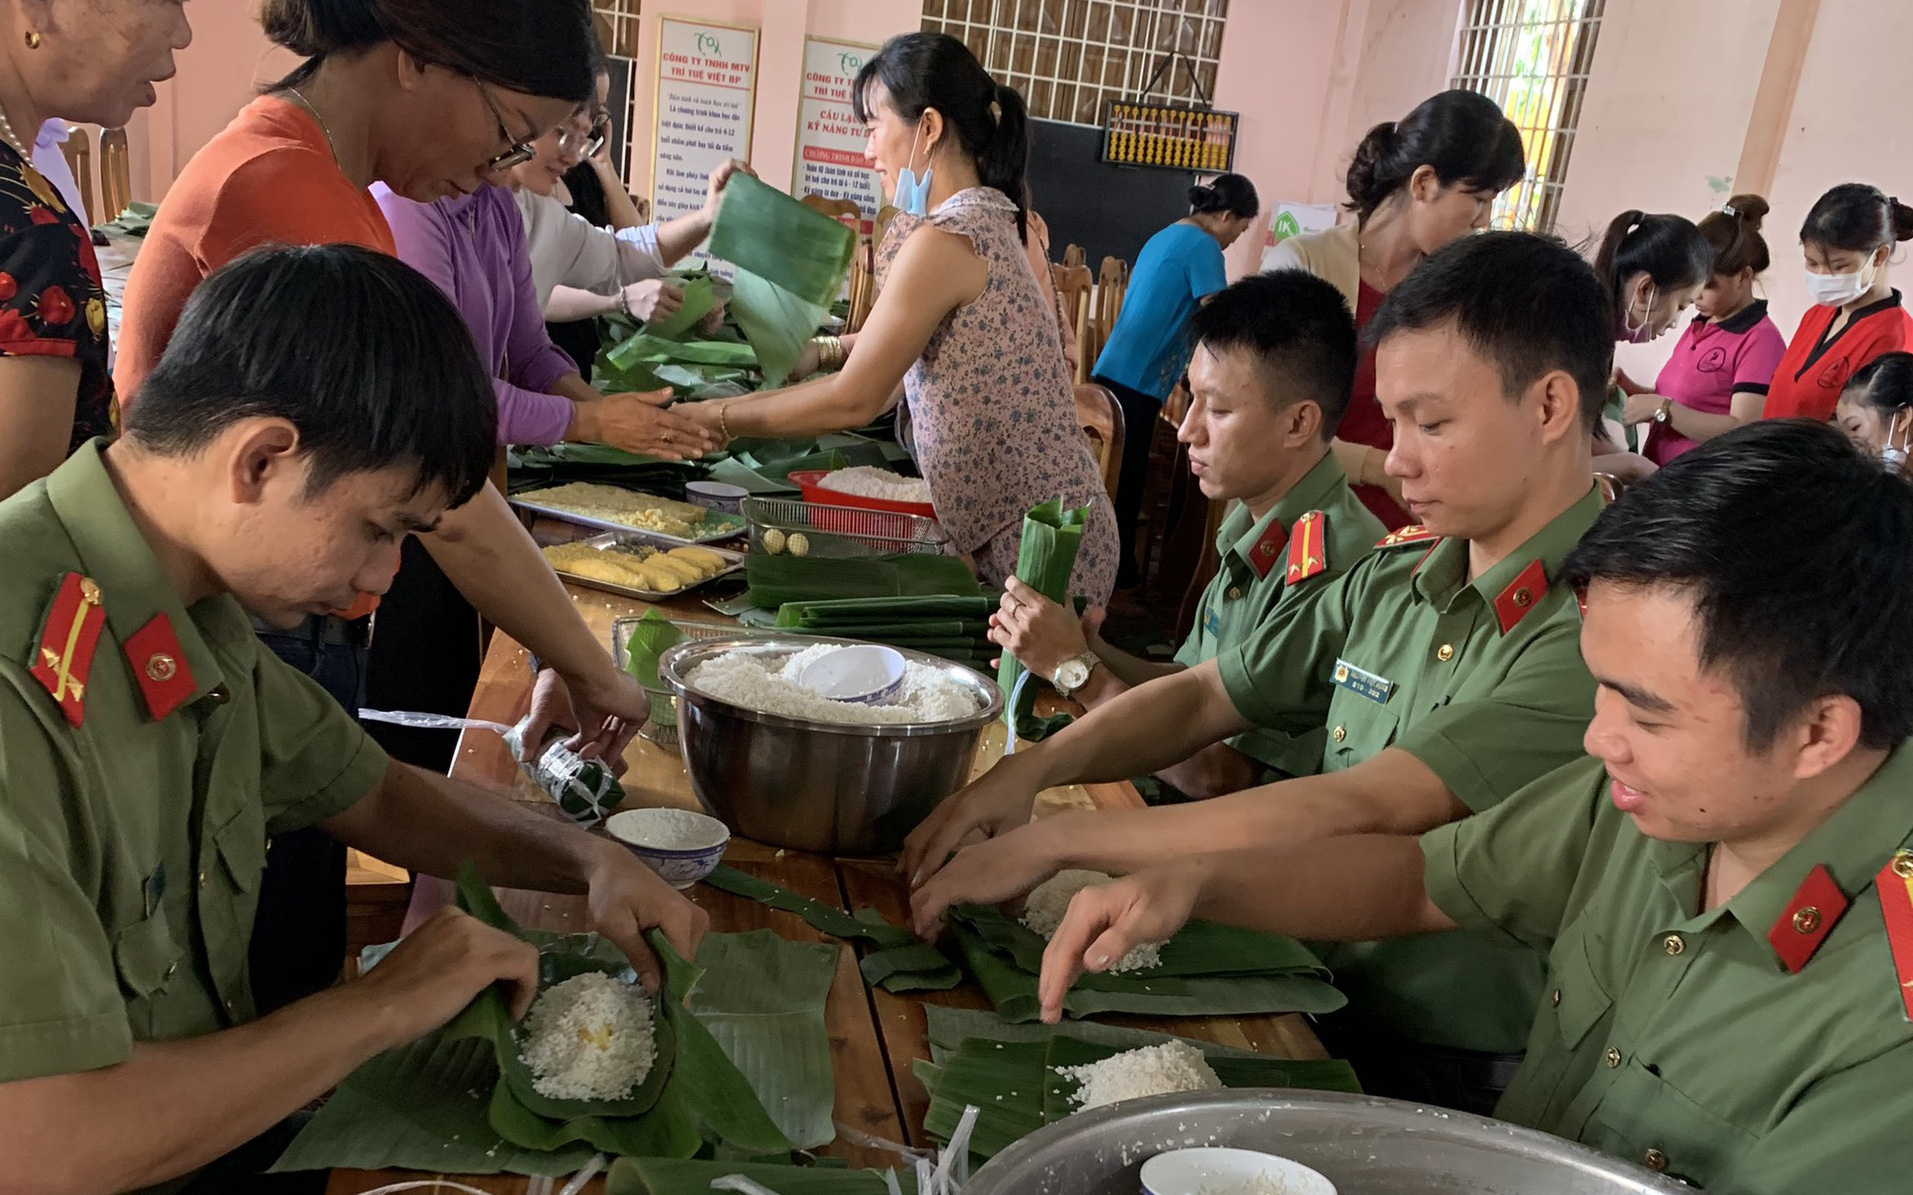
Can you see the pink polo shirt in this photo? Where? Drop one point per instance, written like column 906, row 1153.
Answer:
column 1712, row 363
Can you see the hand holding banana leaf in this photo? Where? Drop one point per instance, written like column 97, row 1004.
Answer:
column 440, row 967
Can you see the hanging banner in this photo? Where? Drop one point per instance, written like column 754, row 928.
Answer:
column 830, row 157
column 707, row 88
column 1294, row 219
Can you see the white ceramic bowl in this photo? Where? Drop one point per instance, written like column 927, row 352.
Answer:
column 863, row 674
column 644, row 832
column 716, row 495
column 1229, row 1172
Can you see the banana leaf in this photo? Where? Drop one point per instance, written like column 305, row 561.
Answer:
column 775, row 321
column 907, row 964
column 1044, row 560
column 643, row 348
column 651, row 637
column 1200, row 948
column 698, row 301
column 673, row 1176
column 763, row 231
column 775, row 580
column 773, row 1028
column 1011, row 988
column 865, row 611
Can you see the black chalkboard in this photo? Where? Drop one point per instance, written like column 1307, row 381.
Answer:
column 1108, row 210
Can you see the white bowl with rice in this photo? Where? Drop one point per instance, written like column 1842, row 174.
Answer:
column 681, row 846
column 789, row 767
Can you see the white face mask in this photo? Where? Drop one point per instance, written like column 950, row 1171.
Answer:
column 1837, row 290
column 1644, row 332
column 1895, row 458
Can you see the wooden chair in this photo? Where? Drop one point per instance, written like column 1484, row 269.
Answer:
column 1101, row 418
column 881, row 225
column 844, row 211
column 1112, row 287
column 79, row 159
column 863, row 284
column 1073, row 288
column 1073, row 255
column 116, row 176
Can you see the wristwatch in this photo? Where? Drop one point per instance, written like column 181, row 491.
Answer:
column 1073, row 673
column 1665, row 412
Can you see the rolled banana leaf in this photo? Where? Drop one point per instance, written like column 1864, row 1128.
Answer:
column 763, row 231
column 1044, row 560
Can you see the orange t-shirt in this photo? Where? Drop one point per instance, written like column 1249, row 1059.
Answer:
column 268, row 178
column 1816, row 367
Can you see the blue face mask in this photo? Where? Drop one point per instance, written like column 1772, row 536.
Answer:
column 913, row 196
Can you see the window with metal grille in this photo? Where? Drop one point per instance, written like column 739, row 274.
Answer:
column 1068, row 57
column 1532, row 58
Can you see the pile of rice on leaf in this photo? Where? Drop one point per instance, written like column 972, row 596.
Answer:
column 1048, row 903
column 589, row 1037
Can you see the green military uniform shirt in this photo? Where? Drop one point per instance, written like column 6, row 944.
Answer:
column 1252, row 587
column 1681, row 1039
column 132, row 844
column 1480, row 680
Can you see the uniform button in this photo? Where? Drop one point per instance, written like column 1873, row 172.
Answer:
column 1612, row 1058
column 1903, row 865
column 1655, row 1159
column 1339, row 733
column 1235, row 593
column 202, row 879
column 1673, row 944
column 219, row 695
column 1555, row 1000
column 1523, row 598
column 1445, row 652
column 1806, row 920
column 161, row 667
column 171, row 970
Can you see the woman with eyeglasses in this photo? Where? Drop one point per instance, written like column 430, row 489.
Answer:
column 432, row 99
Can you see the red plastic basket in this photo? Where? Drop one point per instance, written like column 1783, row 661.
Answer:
column 810, row 482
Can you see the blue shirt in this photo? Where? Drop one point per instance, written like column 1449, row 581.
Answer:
column 1148, row 349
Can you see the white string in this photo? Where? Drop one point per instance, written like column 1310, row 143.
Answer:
column 436, row 1184
column 737, row 1182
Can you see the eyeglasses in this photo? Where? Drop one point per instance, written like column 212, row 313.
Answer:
column 519, row 152
column 587, row 144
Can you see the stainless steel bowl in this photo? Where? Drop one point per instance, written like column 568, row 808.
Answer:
column 819, row 786
column 1366, row 1146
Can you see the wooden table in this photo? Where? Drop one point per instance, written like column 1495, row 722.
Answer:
column 874, row 1035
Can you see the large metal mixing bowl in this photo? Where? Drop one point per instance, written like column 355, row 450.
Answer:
column 1366, row 1146
column 819, row 786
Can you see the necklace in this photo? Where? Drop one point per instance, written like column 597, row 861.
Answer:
column 12, row 138
column 307, row 105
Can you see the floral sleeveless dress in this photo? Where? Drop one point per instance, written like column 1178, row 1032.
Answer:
column 993, row 406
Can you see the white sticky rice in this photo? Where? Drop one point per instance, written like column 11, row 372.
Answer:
column 768, row 684
column 589, row 1038
column 866, row 482
column 1044, row 908
column 1132, row 1074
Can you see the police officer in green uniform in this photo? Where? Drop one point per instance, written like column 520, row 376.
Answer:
column 1444, row 665
column 1268, row 381
column 1724, row 891
column 315, row 406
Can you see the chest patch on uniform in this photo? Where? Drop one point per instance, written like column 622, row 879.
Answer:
column 69, row 635
column 1363, row 683
column 1895, row 886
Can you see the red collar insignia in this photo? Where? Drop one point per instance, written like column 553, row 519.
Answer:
column 1267, row 547
column 1807, row 920
column 1523, row 594
column 159, row 667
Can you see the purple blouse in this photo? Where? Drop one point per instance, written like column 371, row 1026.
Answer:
column 473, row 248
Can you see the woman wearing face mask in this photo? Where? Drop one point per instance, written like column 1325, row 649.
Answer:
column 1848, row 240
column 1876, row 409
column 92, row 62
column 1177, row 270
column 432, row 98
column 960, row 321
column 1654, row 266
column 1414, row 185
column 1717, row 378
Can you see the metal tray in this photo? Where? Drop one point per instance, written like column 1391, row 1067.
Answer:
column 663, row 543
column 844, row 531
column 731, row 526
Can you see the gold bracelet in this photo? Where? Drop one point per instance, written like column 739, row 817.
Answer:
column 724, row 421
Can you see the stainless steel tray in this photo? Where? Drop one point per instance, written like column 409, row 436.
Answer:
column 663, row 543
column 724, row 526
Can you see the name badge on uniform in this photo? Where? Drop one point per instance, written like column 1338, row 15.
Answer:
column 1362, row 683
column 1211, row 623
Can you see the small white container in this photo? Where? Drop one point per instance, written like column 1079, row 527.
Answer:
column 1216, row 1171
column 716, row 495
column 681, row 846
column 865, row 674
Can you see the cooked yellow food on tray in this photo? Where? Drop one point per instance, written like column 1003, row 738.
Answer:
column 636, row 566
column 646, row 512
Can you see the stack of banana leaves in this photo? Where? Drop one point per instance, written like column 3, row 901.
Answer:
column 1009, row 1072
column 947, row 626
column 742, row 1070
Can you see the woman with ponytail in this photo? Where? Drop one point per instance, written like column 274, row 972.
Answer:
column 433, row 99
column 1848, row 240
column 1149, row 348
column 1653, row 266
column 1717, row 378
column 960, row 323
column 1415, row 185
